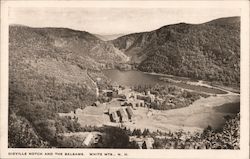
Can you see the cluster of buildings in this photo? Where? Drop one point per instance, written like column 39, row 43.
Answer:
column 143, row 143
column 129, row 101
column 122, row 115
column 130, row 98
column 136, row 99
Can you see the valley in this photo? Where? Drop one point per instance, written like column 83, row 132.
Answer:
column 194, row 117
column 71, row 88
column 191, row 119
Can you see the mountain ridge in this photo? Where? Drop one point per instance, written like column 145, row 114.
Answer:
column 180, row 49
column 108, row 37
column 43, row 61
column 188, row 50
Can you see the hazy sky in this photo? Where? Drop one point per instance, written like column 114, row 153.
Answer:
column 114, row 20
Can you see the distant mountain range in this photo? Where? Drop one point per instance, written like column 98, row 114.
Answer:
column 65, row 45
column 108, row 37
column 208, row 51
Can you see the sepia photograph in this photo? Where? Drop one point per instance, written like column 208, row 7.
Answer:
column 124, row 78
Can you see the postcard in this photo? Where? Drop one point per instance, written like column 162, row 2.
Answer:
column 125, row 79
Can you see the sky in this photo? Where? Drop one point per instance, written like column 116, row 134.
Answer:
column 108, row 21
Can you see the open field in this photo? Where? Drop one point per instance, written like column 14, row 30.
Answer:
column 196, row 117
column 200, row 88
column 194, row 86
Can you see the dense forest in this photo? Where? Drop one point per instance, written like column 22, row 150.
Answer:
column 51, row 70
column 208, row 51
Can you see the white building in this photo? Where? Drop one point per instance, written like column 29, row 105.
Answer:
column 88, row 139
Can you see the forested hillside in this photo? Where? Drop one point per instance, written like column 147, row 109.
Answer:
column 51, row 70
column 208, row 51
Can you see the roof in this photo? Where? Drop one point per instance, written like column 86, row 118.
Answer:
column 122, row 112
column 112, row 109
column 97, row 103
column 115, row 84
column 149, row 143
column 141, row 101
column 88, row 139
column 114, row 115
column 98, row 79
column 107, row 90
column 130, row 112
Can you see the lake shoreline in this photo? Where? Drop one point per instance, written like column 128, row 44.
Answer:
column 133, row 78
column 199, row 82
column 197, row 116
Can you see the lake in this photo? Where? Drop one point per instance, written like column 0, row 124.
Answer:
column 209, row 111
column 132, row 78
column 135, row 78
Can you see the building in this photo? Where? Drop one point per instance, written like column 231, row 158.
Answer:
column 151, row 97
column 142, row 97
column 123, row 115
column 139, row 141
column 143, row 143
column 114, row 117
column 98, row 79
column 134, row 103
column 97, row 104
column 129, row 95
column 131, row 115
column 119, row 91
column 115, row 86
column 123, row 103
column 121, row 96
column 138, row 103
column 78, row 111
column 147, row 98
column 148, row 93
column 97, row 92
column 112, row 109
column 108, row 93
column 141, row 103
column 149, row 143
column 87, row 141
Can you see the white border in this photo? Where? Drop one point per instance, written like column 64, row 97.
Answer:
column 191, row 154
